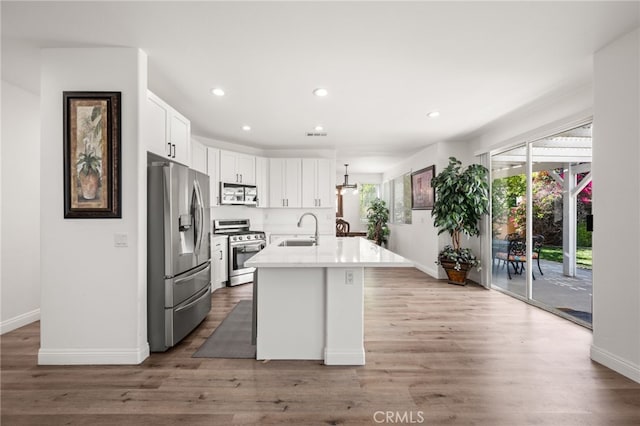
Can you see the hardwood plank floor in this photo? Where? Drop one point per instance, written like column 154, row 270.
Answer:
column 437, row 354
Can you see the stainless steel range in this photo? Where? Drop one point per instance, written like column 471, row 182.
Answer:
column 243, row 244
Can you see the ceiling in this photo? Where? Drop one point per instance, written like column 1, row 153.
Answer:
column 385, row 64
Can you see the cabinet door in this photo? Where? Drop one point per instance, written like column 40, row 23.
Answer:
column 180, row 129
column 262, row 181
column 156, row 126
column 326, row 188
column 213, row 169
column 276, row 182
column 292, row 180
column 246, row 169
column 218, row 261
column 199, row 156
column 309, row 182
column 224, row 262
column 228, row 171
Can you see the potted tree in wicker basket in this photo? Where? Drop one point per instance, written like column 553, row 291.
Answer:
column 462, row 197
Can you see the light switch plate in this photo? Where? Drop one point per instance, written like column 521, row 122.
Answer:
column 120, row 240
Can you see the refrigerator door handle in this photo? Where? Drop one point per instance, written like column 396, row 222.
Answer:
column 200, row 212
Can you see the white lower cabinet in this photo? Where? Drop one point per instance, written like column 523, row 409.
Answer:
column 219, row 261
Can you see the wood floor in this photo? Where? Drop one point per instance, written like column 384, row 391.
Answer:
column 437, row 354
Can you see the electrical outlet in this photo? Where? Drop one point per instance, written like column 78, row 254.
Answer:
column 348, row 277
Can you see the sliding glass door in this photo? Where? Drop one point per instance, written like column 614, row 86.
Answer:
column 545, row 257
column 508, row 212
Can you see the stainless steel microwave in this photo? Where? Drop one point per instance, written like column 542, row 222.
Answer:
column 238, row 194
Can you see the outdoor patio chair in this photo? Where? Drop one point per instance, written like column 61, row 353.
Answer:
column 516, row 254
column 538, row 240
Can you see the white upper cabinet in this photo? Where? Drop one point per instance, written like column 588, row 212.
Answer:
column 284, row 182
column 237, row 168
column 168, row 132
column 180, row 131
column 156, row 125
column 262, row 181
column 213, row 170
column 198, row 156
column 318, row 175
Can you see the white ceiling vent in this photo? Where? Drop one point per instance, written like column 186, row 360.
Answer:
column 316, row 133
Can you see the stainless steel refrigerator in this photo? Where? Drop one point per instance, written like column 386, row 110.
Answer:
column 178, row 253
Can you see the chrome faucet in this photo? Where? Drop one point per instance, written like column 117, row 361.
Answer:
column 315, row 240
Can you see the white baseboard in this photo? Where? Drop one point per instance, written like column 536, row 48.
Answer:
column 338, row 357
column 615, row 363
column 19, row 321
column 105, row 356
column 433, row 272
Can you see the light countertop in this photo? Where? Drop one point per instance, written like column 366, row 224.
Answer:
column 331, row 252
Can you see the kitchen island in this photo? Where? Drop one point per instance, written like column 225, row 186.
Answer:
column 310, row 299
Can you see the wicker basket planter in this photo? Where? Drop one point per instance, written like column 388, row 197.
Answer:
column 458, row 277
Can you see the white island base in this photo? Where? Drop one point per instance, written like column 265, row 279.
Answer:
column 311, row 313
column 310, row 300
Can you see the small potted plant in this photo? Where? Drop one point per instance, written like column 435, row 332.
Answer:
column 89, row 174
column 378, row 216
column 462, row 197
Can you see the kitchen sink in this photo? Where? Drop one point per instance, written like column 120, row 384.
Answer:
column 297, row 243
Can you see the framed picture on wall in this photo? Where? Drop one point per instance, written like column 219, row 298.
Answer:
column 92, row 175
column 422, row 193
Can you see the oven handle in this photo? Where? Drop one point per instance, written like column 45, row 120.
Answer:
column 249, row 248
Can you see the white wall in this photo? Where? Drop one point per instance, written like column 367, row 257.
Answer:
column 417, row 241
column 93, row 306
column 616, row 203
column 547, row 116
column 20, row 208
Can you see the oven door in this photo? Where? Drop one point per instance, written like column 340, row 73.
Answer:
column 240, row 252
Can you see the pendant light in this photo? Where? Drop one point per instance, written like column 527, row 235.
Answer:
column 346, row 184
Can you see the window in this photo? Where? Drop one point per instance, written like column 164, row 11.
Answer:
column 368, row 193
column 400, row 197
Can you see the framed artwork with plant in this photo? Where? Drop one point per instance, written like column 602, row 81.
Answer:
column 92, row 173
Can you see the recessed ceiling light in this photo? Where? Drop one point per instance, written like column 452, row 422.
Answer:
column 320, row 92
column 246, row 128
column 217, row 91
column 319, row 128
column 433, row 114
